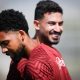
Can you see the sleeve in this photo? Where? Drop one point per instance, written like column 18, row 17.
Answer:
column 38, row 70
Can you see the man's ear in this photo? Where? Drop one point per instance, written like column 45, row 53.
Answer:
column 22, row 34
column 36, row 24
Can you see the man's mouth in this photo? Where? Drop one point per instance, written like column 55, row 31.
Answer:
column 52, row 32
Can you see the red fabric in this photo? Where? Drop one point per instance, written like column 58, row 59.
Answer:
column 16, row 71
column 45, row 63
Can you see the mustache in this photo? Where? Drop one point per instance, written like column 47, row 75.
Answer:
column 8, row 53
column 55, row 32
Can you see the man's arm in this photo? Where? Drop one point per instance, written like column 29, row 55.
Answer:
column 38, row 70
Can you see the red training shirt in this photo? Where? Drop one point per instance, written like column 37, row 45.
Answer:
column 44, row 63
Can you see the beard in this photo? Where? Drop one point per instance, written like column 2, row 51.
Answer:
column 18, row 54
column 46, row 40
column 53, row 41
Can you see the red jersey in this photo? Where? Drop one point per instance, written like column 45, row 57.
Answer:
column 44, row 63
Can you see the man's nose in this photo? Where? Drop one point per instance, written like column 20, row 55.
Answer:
column 57, row 28
column 4, row 50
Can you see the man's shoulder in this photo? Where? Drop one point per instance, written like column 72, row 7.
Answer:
column 52, row 50
column 42, row 50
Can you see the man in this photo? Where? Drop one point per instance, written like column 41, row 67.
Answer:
column 15, row 42
column 48, row 23
column 30, row 60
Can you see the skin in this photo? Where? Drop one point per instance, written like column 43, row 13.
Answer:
column 16, row 44
column 49, row 28
column 6, row 40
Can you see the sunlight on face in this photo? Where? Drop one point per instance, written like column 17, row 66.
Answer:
column 51, row 27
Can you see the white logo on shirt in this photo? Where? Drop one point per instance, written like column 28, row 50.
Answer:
column 60, row 62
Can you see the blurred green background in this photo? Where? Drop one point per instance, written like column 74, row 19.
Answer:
column 69, row 45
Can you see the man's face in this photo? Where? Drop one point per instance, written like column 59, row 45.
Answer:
column 51, row 27
column 11, row 44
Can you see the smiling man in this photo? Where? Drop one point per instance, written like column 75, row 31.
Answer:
column 48, row 22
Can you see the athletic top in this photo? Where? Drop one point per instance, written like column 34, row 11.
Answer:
column 44, row 63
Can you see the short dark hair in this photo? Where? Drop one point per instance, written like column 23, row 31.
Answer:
column 12, row 20
column 45, row 6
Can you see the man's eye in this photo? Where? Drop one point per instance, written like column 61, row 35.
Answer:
column 60, row 23
column 52, row 23
column 4, row 43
